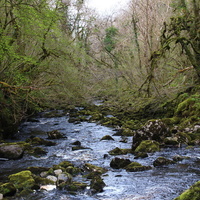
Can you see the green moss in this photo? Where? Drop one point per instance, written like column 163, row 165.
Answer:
column 148, row 146
column 22, row 180
column 118, row 151
column 76, row 186
column 93, row 168
column 135, row 166
column 193, row 193
column 7, row 189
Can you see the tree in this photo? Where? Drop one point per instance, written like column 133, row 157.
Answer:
column 184, row 30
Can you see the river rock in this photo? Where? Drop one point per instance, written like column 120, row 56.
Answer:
column 40, row 141
column 118, row 163
column 135, row 167
column 97, row 184
column 147, row 146
column 94, row 168
column 22, row 180
column 160, row 161
column 64, row 177
column 58, row 171
column 7, row 189
column 52, row 178
column 55, row 134
column 11, row 151
column 153, row 130
column 118, row 151
column 107, row 137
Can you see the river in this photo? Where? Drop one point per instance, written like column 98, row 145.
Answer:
column 164, row 183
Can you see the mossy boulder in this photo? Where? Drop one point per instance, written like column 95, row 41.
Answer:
column 7, row 189
column 93, row 168
column 160, row 161
column 193, row 193
column 97, row 184
column 55, row 134
column 64, row 177
column 107, row 137
column 147, row 146
column 22, row 180
column 12, row 150
column 135, row 166
column 153, row 130
column 118, row 163
column 40, row 141
column 118, row 151
column 65, row 164
column 76, row 186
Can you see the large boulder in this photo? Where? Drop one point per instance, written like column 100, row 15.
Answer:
column 7, row 189
column 11, row 151
column 135, row 167
column 118, row 163
column 147, row 146
column 97, row 184
column 160, row 161
column 152, row 130
column 22, row 180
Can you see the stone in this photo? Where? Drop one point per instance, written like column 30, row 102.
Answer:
column 153, row 130
column 97, row 184
column 11, row 151
column 118, row 151
column 135, row 166
column 160, row 161
column 118, row 163
column 147, row 146
column 64, row 177
column 7, row 189
column 47, row 187
column 52, row 178
column 22, row 180
column 55, row 134
column 93, row 168
column 58, row 171
column 107, row 137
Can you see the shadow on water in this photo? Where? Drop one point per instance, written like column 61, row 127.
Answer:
column 159, row 183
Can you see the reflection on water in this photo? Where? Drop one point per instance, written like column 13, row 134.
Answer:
column 159, row 183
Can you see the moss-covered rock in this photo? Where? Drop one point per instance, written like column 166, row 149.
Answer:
column 7, row 189
column 135, row 166
column 22, row 180
column 118, row 151
column 193, row 193
column 97, row 184
column 160, row 161
column 55, row 134
column 147, row 146
column 76, row 186
column 93, row 168
column 153, row 130
column 107, row 137
column 40, row 141
column 118, row 163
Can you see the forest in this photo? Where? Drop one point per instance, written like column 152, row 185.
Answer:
column 57, row 53
column 61, row 58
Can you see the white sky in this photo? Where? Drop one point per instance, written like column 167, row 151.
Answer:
column 104, row 7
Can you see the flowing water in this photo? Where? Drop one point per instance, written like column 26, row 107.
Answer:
column 160, row 183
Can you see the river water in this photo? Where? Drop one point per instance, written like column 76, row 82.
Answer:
column 159, row 183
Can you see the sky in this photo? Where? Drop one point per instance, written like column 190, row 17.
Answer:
column 104, row 7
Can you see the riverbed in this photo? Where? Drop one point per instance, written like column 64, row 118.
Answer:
column 164, row 183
